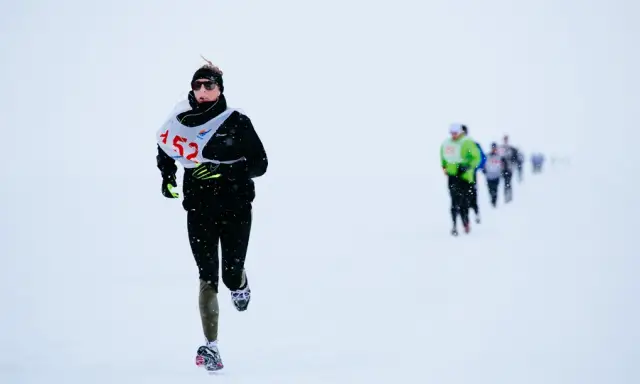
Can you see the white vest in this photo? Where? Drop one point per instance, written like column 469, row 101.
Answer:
column 452, row 150
column 493, row 167
column 185, row 144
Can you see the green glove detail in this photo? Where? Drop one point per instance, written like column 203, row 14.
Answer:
column 170, row 188
column 206, row 171
column 168, row 185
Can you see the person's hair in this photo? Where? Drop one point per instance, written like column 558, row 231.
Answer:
column 211, row 66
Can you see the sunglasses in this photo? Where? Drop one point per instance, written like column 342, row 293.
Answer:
column 208, row 85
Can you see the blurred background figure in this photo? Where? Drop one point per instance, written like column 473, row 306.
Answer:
column 510, row 156
column 459, row 156
column 520, row 164
column 537, row 159
column 493, row 170
column 473, row 194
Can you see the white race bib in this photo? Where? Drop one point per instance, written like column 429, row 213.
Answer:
column 452, row 150
column 493, row 165
column 451, row 153
column 185, row 144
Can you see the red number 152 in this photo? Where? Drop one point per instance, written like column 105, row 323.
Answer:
column 177, row 145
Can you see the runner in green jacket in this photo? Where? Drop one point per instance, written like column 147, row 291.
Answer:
column 459, row 156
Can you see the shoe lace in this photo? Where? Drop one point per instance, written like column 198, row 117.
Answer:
column 242, row 294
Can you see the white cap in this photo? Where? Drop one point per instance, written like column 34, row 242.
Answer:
column 455, row 129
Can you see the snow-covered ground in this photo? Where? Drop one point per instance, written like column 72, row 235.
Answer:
column 355, row 278
column 542, row 291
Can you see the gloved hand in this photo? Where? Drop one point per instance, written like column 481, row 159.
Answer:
column 207, row 171
column 168, row 185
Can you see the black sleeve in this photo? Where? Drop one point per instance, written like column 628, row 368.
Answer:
column 514, row 155
column 249, row 146
column 251, row 149
column 166, row 164
column 254, row 151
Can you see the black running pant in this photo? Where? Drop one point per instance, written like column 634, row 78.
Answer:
column 493, row 189
column 460, row 193
column 519, row 172
column 473, row 198
column 229, row 225
column 507, row 185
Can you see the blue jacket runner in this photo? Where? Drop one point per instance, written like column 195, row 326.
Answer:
column 483, row 157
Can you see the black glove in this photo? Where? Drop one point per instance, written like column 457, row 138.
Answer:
column 168, row 184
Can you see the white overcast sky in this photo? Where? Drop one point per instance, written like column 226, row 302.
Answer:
column 555, row 75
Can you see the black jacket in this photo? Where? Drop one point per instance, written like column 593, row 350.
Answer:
column 237, row 139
